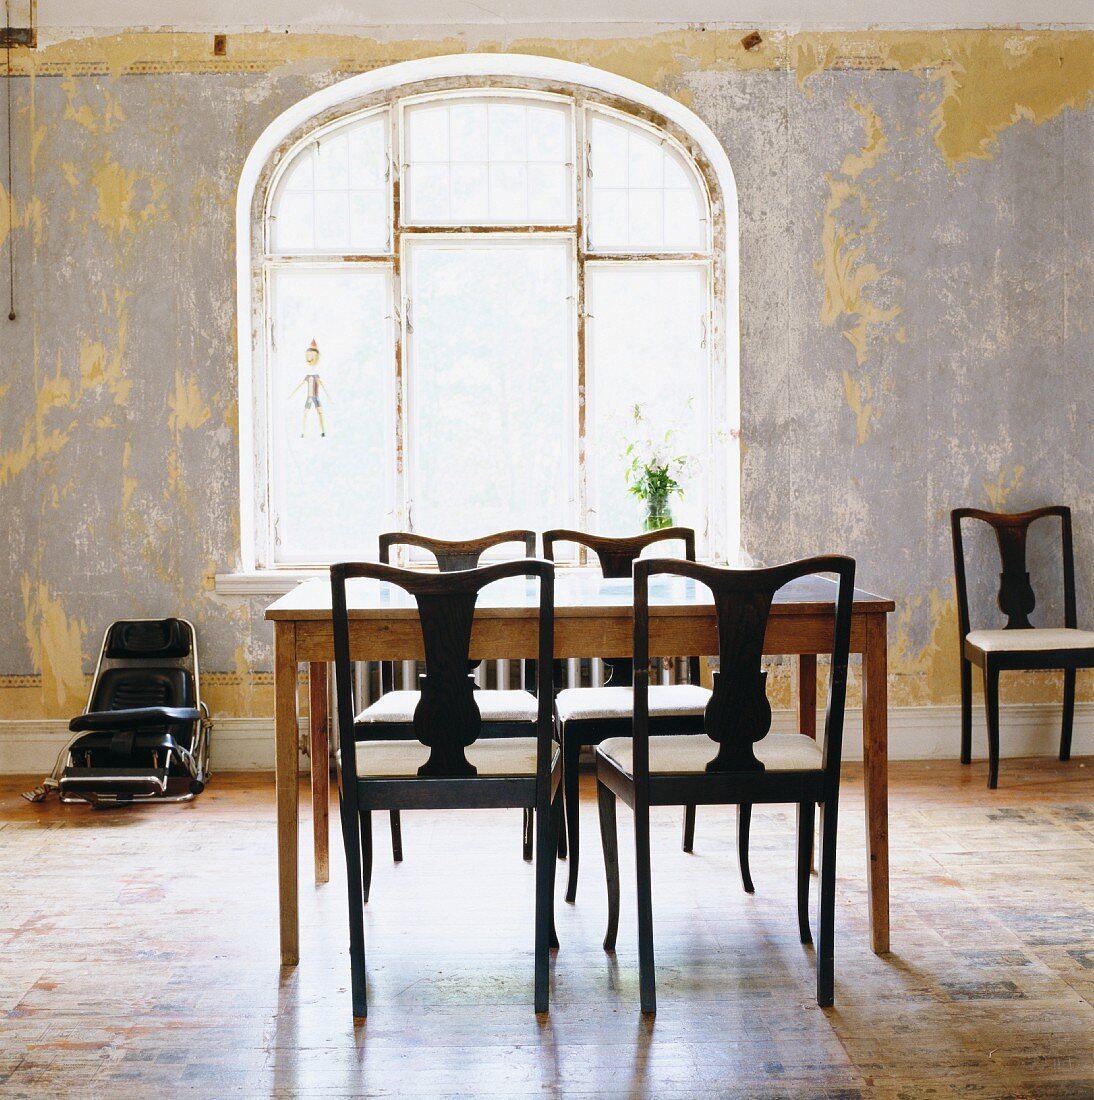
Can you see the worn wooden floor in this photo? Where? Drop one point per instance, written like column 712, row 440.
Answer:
column 138, row 956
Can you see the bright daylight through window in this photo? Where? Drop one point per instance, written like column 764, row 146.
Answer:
column 465, row 298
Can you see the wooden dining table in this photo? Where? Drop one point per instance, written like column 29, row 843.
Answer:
column 593, row 615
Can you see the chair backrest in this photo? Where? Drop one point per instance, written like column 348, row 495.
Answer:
column 451, row 555
column 146, row 663
column 616, row 556
column 461, row 554
column 739, row 714
column 446, row 719
column 1015, row 598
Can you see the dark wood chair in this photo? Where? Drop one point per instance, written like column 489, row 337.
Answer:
column 393, row 718
column 735, row 760
column 588, row 716
column 447, row 764
column 1018, row 645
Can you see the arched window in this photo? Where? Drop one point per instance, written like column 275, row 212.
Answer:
column 462, row 276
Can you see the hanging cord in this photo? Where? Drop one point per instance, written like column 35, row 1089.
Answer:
column 11, row 198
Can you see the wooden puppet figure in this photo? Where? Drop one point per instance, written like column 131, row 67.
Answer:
column 314, row 384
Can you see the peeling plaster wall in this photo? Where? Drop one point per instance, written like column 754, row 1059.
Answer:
column 916, row 225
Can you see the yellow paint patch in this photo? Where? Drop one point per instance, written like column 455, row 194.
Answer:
column 56, row 648
column 848, row 278
column 858, row 395
column 85, row 116
column 874, row 147
column 1005, row 484
column 38, row 135
column 989, row 79
column 187, row 407
column 114, row 187
column 100, row 368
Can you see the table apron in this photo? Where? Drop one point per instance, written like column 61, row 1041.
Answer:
column 575, row 636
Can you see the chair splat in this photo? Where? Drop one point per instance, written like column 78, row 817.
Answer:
column 447, row 718
column 739, row 714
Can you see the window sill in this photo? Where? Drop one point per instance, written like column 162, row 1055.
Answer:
column 265, row 582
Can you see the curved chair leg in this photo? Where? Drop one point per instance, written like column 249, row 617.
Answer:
column 647, row 989
column 529, row 832
column 991, row 704
column 806, row 814
column 396, row 836
column 562, row 836
column 571, row 752
column 556, row 827
column 609, row 841
column 966, row 711
column 1069, row 714
column 688, row 843
column 827, row 907
column 366, row 854
column 744, row 826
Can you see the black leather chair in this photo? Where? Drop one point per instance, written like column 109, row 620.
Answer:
column 145, row 733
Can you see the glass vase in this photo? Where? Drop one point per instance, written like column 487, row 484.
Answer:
column 656, row 513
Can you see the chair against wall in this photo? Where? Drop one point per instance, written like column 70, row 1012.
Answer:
column 144, row 735
column 735, row 760
column 1018, row 645
column 589, row 715
column 396, row 714
column 446, row 763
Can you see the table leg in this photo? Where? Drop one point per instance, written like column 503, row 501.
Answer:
column 319, row 729
column 875, row 755
column 807, row 694
column 287, row 775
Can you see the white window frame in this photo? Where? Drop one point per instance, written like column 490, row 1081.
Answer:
column 475, row 73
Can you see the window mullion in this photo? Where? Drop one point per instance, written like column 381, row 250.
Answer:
column 581, row 457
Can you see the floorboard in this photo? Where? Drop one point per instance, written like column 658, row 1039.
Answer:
column 138, row 954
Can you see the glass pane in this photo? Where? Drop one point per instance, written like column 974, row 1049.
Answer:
column 493, row 151
column 332, row 221
column 509, row 192
column 335, row 195
column 294, row 229
column 331, row 445
column 470, row 193
column 467, row 125
column 332, row 163
column 547, row 194
column 645, row 342
column 507, row 133
column 643, row 193
column 490, row 386
column 428, row 183
column 547, row 135
column 367, row 219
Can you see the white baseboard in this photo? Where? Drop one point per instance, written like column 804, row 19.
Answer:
column 915, row 733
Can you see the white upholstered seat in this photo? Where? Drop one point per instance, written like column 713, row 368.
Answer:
column 1034, row 640
column 494, row 706
column 492, row 756
column 666, row 701
column 687, row 754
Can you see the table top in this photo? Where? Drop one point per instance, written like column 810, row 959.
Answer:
column 578, row 592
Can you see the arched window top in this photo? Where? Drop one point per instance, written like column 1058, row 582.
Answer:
column 410, row 237
column 645, row 192
column 488, row 159
column 332, row 194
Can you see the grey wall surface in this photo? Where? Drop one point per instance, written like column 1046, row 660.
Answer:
column 971, row 385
